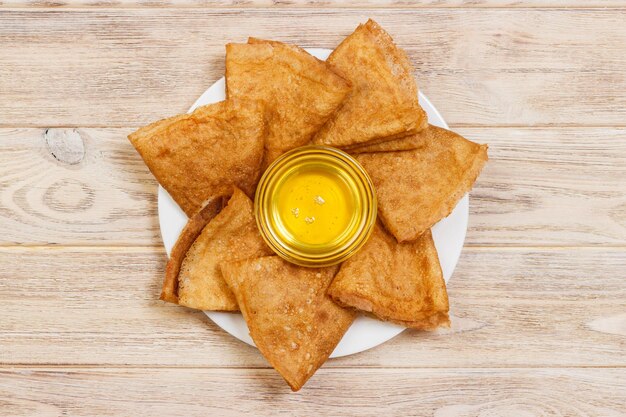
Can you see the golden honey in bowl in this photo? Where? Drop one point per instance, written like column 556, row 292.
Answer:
column 315, row 206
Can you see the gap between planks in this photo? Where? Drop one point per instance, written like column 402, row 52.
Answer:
column 453, row 126
column 44, row 366
column 335, row 6
column 142, row 248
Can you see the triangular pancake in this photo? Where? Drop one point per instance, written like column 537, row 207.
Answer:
column 406, row 143
column 300, row 91
column 231, row 235
column 398, row 282
column 383, row 104
column 292, row 321
column 416, row 189
column 187, row 236
column 203, row 154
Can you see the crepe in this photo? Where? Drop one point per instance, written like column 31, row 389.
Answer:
column 203, row 154
column 403, row 144
column 230, row 235
column 406, row 143
column 187, row 236
column 416, row 189
column 300, row 91
column 290, row 318
column 398, row 282
column 383, row 104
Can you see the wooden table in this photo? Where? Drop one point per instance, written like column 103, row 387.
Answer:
column 538, row 297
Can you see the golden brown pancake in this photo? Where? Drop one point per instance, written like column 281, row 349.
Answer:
column 416, row 189
column 397, row 282
column 203, row 154
column 383, row 103
column 300, row 91
column 406, row 143
column 230, row 235
column 187, row 236
column 292, row 321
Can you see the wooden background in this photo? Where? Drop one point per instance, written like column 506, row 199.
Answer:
column 538, row 297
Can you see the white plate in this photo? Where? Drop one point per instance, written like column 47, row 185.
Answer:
column 365, row 333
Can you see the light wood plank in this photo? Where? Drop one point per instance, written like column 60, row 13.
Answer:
column 107, row 197
column 540, row 187
column 128, row 67
column 511, row 307
column 346, row 392
column 550, row 187
column 313, row 3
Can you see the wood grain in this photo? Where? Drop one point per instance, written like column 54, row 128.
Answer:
column 108, row 197
column 538, row 298
column 314, row 3
column 346, row 392
column 566, row 307
column 128, row 67
column 550, row 187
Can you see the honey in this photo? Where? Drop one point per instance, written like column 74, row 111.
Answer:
column 315, row 206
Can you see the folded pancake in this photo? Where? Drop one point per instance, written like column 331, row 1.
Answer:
column 416, row 189
column 292, row 321
column 300, row 91
column 231, row 235
column 397, row 282
column 187, row 236
column 406, row 143
column 383, row 103
column 203, row 154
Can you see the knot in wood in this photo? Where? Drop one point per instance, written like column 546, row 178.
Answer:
column 65, row 145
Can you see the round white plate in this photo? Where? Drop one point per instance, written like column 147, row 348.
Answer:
column 365, row 333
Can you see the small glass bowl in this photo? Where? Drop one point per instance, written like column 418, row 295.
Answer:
column 333, row 162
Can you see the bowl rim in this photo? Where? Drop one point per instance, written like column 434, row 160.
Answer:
column 334, row 255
